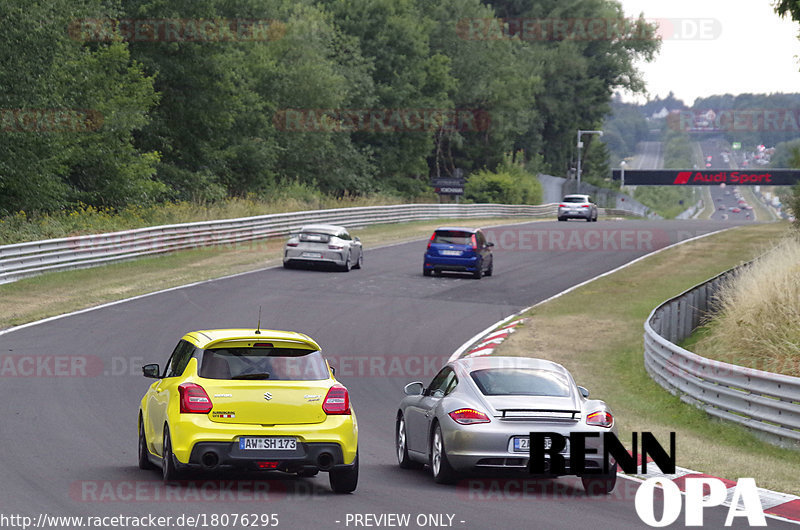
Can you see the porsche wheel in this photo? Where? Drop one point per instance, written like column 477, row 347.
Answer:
column 443, row 472
column 401, row 444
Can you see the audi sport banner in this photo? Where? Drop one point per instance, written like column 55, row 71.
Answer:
column 708, row 177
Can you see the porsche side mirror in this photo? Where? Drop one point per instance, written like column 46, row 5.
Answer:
column 413, row 389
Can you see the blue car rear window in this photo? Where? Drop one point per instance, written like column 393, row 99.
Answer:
column 449, row 237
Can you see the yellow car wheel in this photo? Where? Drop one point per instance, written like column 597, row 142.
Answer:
column 144, row 461
column 168, row 469
column 344, row 481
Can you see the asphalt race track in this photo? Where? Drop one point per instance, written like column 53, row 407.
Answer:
column 69, row 441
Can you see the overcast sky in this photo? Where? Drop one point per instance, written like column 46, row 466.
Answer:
column 732, row 46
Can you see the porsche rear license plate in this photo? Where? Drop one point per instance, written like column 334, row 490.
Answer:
column 283, row 443
column 521, row 444
column 312, row 255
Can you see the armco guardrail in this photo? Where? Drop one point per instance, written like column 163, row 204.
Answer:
column 28, row 259
column 765, row 402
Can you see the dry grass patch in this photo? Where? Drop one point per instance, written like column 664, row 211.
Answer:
column 757, row 315
column 547, row 334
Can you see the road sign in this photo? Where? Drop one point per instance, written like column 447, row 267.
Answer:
column 448, row 186
column 708, row 177
column 450, row 190
column 447, row 182
column 736, row 146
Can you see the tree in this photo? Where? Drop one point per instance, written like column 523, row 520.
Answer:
column 393, row 35
column 580, row 69
column 497, row 77
column 69, row 111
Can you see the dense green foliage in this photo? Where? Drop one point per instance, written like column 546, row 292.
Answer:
column 511, row 183
column 199, row 115
column 47, row 79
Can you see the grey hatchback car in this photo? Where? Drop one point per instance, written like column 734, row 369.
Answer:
column 577, row 207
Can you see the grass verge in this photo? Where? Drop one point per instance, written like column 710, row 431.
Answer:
column 740, row 331
column 760, row 210
column 83, row 219
column 61, row 292
column 596, row 333
column 708, row 204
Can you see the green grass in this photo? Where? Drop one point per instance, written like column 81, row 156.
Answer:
column 759, row 209
column 82, row 219
column 604, row 322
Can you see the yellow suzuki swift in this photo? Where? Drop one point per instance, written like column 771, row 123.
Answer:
column 248, row 399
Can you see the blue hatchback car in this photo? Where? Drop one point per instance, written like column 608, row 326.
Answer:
column 458, row 249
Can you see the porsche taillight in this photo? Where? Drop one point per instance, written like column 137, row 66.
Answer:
column 600, row 418
column 469, row 416
column 337, row 401
column 194, row 399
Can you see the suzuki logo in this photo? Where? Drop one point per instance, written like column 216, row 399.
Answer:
column 267, row 396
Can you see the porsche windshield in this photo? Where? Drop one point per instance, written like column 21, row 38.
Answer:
column 520, row 382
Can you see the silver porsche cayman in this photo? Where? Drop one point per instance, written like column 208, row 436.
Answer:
column 477, row 414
